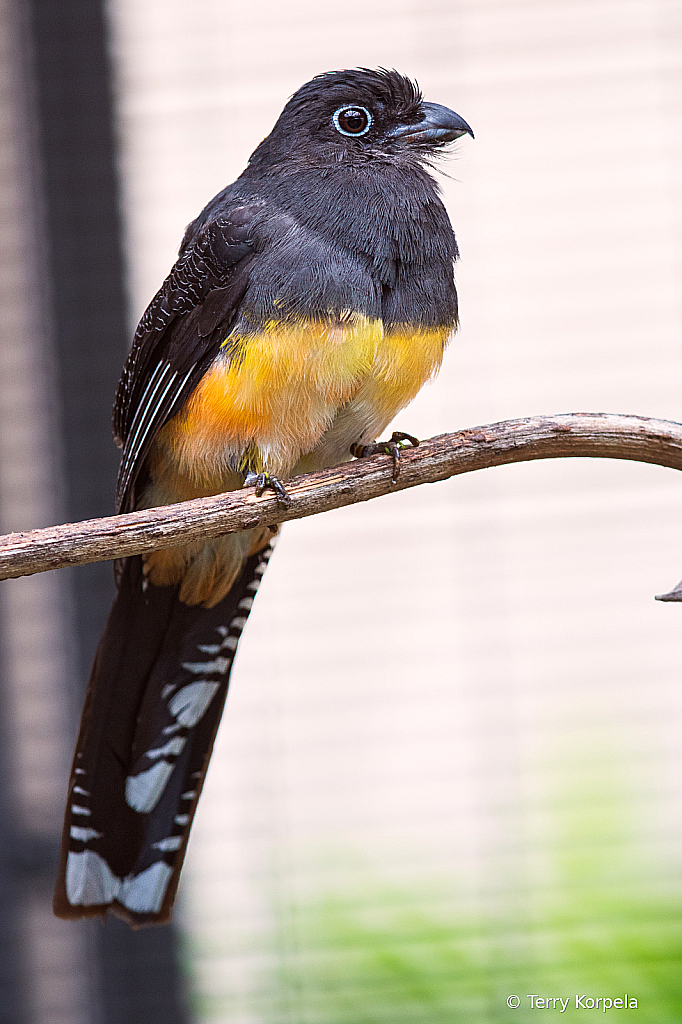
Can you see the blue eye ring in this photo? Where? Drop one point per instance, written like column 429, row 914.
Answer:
column 350, row 110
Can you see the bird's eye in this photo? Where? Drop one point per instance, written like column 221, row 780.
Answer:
column 352, row 120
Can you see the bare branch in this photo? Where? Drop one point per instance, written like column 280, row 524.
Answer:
column 591, row 435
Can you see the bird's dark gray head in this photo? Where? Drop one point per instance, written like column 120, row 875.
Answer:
column 359, row 114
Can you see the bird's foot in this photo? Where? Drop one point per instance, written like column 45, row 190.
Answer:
column 263, row 481
column 392, row 447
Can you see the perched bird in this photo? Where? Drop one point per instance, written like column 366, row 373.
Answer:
column 310, row 301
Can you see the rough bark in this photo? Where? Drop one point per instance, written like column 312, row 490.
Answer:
column 572, row 435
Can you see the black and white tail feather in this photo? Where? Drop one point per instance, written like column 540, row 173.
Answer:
column 149, row 723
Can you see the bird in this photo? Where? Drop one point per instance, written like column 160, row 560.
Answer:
column 310, row 301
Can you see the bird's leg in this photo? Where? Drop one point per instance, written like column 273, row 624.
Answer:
column 263, row 481
column 392, row 447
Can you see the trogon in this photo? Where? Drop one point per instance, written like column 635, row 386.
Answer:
column 310, row 301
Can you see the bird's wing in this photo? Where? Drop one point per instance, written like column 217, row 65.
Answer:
column 179, row 335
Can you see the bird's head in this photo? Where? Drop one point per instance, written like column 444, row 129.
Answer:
column 359, row 114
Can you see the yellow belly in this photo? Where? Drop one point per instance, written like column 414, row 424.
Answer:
column 290, row 396
column 270, row 398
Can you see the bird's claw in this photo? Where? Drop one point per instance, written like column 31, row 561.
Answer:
column 263, row 481
column 392, row 447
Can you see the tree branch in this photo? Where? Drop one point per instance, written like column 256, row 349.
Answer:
column 591, row 435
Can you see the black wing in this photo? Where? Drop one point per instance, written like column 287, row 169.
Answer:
column 179, row 336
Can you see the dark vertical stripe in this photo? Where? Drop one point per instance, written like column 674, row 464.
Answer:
column 85, row 267
column 139, row 975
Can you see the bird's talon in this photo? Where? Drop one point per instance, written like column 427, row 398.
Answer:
column 263, row 482
column 401, row 438
column 392, row 447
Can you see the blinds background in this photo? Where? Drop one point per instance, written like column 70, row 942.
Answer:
column 450, row 764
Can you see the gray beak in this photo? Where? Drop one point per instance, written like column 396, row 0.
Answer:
column 439, row 125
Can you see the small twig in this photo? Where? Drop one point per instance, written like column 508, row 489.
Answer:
column 672, row 595
column 591, row 435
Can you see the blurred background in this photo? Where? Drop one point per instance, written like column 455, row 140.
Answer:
column 450, row 769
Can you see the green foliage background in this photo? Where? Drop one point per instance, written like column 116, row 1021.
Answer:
column 596, row 914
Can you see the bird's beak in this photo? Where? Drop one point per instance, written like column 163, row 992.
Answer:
column 440, row 124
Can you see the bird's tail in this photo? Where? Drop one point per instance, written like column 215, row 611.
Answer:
column 154, row 701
